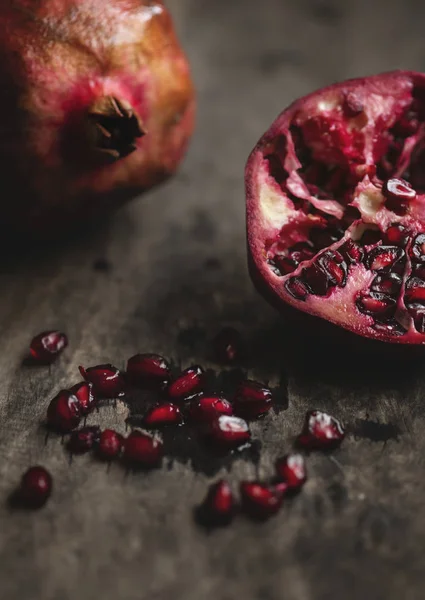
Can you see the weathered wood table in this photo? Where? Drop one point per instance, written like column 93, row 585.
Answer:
column 177, row 273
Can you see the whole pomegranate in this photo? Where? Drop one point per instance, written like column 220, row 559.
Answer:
column 336, row 207
column 96, row 105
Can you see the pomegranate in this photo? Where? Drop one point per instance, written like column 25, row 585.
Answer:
column 107, row 380
column 82, row 440
column 63, row 412
column 163, row 414
column 336, row 207
column 140, row 449
column 252, row 399
column 46, row 346
column 83, row 391
column 321, row 431
column 218, row 507
column 259, row 500
column 148, row 371
column 187, row 383
column 208, row 408
column 109, row 445
column 292, row 470
column 99, row 107
column 36, row 487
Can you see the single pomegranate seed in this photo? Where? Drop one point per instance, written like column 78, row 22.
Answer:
column 208, row 408
column 187, row 383
column 36, row 487
column 82, row 440
column 417, row 311
column 109, row 445
column 415, row 290
column 333, row 265
column 46, row 346
column 296, row 288
column 417, row 250
column 218, row 507
column 385, row 258
column 370, row 237
column 376, row 304
column 352, row 106
column 252, row 399
column 387, row 283
column 107, row 380
column 398, row 194
column 292, row 470
column 63, row 412
column 352, row 252
column 228, row 431
column 316, row 280
column 227, row 345
column 163, row 414
column 142, row 449
column 397, row 235
column 391, row 327
column 148, row 370
column 321, row 431
column 84, row 393
column 259, row 500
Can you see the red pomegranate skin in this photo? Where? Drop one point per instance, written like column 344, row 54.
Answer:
column 59, row 60
column 335, row 194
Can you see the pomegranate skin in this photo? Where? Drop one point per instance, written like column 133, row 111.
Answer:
column 321, row 178
column 65, row 67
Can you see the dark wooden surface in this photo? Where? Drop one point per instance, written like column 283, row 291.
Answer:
column 178, row 272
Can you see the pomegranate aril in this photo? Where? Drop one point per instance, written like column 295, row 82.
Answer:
column 292, row 470
column 84, row 393
column 417, row 311
column 407, row 125
column 252, row 399
column 109, row 445
column 259, row 500
column 36, row 487
column 376, row 304
column 227, row 345
column 398, row 194
column 390, row 327
column 82, row 440
column 148, row 370
column 415, row 291
column 63, row 412
column 163, row 414
column 46, row 346
column 107, row 380
column 316, row 280
column 386, row 258
column 208, row 408
column 333, row 265
column 387, row 283
column 321, row 431
column 187, row 383
column 296, row 288
column 417, row 249
column 397, row 235
column 322, row 238
column 352, row 106
column 370, row 237
column 142, row 449
column 228, row 431
column 352, row 252
column 288, row 262
column 219, row 506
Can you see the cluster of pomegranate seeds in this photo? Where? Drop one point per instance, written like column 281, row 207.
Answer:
column 148, row 371
column 64, row 412
column 140, row 449
column 187, row 383
column 163, row 414
column 82, row 440
column 36, row 487
column 252, row 399
column 46, row 346
column 107, row 380
column 321, row 431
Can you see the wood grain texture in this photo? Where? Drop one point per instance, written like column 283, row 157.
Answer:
column 178, row 272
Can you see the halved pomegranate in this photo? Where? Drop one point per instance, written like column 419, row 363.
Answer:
column 336, row 207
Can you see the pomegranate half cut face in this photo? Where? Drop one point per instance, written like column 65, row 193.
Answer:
column 336, row 207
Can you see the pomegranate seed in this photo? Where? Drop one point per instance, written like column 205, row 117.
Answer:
column 398, row 193
column 63, row 412
column 36, row 487
column 110, row 444
column 391, row 327
column 333, row 265
column 417, row 311
column 228, row 431
column 218, row 507
column 252, row 399
column 142, row 449
column 296, row 288
column 376, row 304
column 352, row 252
column 46, row 346
column 209, row 407
column 227, row 345
column 397, row 235
column 417, row 250
column 148, row 370
column 370, row 237
column 386, row 257
column 259, row 500
column 107, row 380
column 321, row 431
column 187, row 383
column 82, row 440
column 316, row 280
column 84, row 393
column 292, row 470
column 388, row 283
column 415, row 290
column 163, row 414
column 352, row 106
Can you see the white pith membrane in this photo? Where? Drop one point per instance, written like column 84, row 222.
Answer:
column 317, row 178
